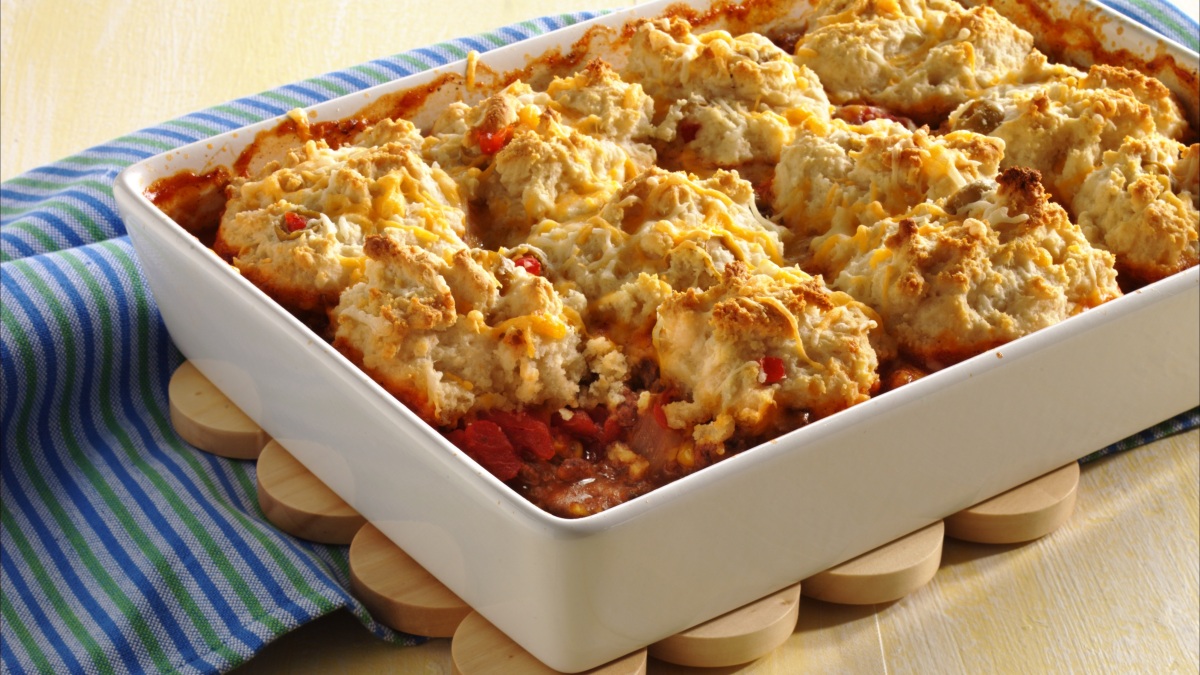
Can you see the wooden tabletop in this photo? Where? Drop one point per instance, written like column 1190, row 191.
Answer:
column 1116, row 590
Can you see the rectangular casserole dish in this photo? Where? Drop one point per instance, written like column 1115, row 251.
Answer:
column 578, row 593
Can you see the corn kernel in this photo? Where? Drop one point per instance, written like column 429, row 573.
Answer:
column 686, row 456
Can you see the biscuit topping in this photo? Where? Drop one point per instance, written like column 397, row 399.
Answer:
column 601, row 282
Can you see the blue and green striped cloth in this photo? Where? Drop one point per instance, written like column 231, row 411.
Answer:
column 122, row 548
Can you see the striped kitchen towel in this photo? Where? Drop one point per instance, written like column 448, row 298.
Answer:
column 122, row 548
column 1165, row 18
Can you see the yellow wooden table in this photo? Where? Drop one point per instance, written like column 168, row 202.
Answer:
column 1117, row 590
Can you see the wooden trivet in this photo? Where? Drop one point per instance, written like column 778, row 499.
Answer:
column 740, row 636
column 206, row 418
column 297, row 502
column 1022, row 514
column 887, row 573
column 398, row 591
column 402, row 595
column 479, row 648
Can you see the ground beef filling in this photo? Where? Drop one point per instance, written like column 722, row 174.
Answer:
column 580, row 462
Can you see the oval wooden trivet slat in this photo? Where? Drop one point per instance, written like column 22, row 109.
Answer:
column 398, row 591
column 740, row 636
column 1024, row 513
column 887, row 573
column 297, row 502
column 203, row 416
column 479, row 648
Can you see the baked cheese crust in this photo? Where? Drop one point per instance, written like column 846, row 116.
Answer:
column 920, row 58
column 600, row 285
column 991, row 263
column 298, row 229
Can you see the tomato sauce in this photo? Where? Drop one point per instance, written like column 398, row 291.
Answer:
column 195, row 201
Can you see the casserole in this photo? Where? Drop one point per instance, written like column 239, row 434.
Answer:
column 577, row 593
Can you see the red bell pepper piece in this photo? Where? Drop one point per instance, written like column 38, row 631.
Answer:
column 772, row 369
column 529, row 264
column 491, row 142
column 294, row 222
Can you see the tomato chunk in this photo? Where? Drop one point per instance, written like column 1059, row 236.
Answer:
column 772, row 369
column 294, row 222
column 528, row 435
column 486, row 443
column 581, row 425
column 529, row 264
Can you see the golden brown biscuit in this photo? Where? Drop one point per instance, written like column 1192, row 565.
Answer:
column 918, row 58
column 297, row 230
column 520, row 161
column 663, row 231
column 449, row 336
column 728, row 100
column 1061, row 129
column 597, row 102
column 762, row 351
column 1141, row 204
column 845, row 176
column 991, row 263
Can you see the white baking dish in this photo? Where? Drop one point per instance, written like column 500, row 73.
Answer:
column 577, row 593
